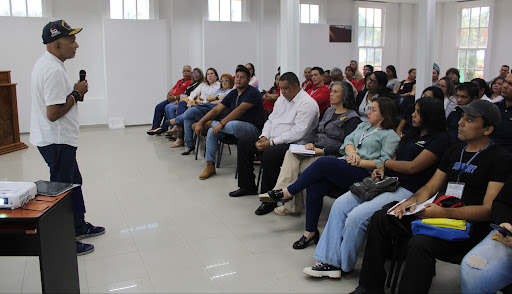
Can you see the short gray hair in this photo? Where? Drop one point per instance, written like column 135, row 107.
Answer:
column 347, row 92
column 336, row 71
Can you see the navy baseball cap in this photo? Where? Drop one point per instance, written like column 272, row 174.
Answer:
column 57, row 29
column 483, row 108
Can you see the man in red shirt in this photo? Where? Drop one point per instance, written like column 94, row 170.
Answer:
column 320, row 92
column 159, row 126
column 308, row 83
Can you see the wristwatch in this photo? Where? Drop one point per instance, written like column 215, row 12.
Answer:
column 76, row 96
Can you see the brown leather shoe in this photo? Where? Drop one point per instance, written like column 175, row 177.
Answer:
column 208, row 171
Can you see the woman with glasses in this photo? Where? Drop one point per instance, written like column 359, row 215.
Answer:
column 198, row 97
column 375, row 87
column 450, row 100
column 363, row 150
column 414, row 163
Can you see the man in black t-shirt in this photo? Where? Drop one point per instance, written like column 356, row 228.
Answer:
column 245, row 119
column 474, row 171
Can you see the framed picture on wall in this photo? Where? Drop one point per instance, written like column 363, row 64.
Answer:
column 340, row 33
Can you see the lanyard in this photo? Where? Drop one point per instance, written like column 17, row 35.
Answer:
column 464, row 165
column 365, row 134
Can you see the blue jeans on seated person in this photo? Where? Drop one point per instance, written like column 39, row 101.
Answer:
column 191, row 116
column 322, row 176
column 236, row 128
column 346, row 228
column 159, row 117
column 492, row 275
column 182, row 107
column 170, row 112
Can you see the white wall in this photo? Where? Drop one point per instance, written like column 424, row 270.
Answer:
column 114, row 57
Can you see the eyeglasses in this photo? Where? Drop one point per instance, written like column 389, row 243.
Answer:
column 373, row 109
column 196, row 74
column 225, row 81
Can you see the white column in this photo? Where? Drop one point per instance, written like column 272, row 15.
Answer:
column 289, row 42
column 425, row 51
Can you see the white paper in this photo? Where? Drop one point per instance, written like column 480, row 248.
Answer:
column 418, row 208
column 301, row 149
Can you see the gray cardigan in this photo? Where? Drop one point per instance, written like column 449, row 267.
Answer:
column 331, row 134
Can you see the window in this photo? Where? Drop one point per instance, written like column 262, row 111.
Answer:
column 309, row 13
column 30, row 8
column 129, row 9
column 370, row 37
column 225, row 10
column 474, row 29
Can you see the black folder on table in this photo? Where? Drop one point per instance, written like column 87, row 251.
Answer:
column 48, row 188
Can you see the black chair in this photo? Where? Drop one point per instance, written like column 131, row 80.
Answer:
column 228, row 140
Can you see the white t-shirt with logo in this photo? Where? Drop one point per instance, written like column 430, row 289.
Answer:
column 51, row 85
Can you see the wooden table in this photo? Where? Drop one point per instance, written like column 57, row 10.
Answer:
column 44, row 227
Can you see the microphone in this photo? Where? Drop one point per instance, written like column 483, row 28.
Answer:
column 82, row 75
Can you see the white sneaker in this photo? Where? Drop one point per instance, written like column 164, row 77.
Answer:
column 321, row 269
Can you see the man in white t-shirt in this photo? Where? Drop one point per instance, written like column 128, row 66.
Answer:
column 54, row 127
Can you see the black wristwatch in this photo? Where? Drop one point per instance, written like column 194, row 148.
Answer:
column 77, row 96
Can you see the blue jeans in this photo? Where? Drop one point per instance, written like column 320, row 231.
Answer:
column 322, row 176
column 182, row 107
column 61, row 160
column 237, row 128
column 188, row 118
column 347, row 225
column 492, row 275
column 159, row 117
column 170, row 112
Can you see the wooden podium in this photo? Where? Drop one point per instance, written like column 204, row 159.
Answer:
column 9, row 125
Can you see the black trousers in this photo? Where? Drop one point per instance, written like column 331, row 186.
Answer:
column 422, row 252
column 271, row 160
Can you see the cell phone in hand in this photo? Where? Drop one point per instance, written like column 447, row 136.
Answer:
column 502, row 230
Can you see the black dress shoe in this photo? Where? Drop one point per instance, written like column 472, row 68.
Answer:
column 188, row 152
column 265, row 208
column 244, row 191
column 303, row 242
column 274, row 196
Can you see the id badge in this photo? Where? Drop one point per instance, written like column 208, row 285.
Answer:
column 455, row 189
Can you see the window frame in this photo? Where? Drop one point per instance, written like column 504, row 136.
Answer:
column 321, row 10
column 26, row 9
column 458, row 44
column 151, row 11
column 382, row 36
column 243, row 12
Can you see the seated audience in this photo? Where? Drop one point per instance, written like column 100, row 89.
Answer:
column 406, row 122
column 454, row 75
column 198, row 97
column 483, row 90
column 327, row 77
column 337, row 75
column 320, row 92
column 450, row 99
column 392, row 78
column 159, row 126
column 293, row 120
column 254, row 81
column 270, row 97
column 479, row 167
column 503, row 135
column 487, row 268
column 503, row 73
column 337, row 122
column 496, row 86
column 358, row 74
column 245, row 119
column 466, row 93
column 414, row 163
column 361, row 84
column 349, row 75
column 370, row 144
column 376, row 86
column 308, row 83
column 171, row 108
column 196, row 112
column 435, row 74
column 407, row 87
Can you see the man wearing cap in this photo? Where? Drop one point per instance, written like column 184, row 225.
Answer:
column 54, row 127
column 474, row 172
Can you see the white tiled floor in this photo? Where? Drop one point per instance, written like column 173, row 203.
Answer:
column 169, row 232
